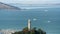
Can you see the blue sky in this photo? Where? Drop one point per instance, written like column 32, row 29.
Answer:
column 30, row 1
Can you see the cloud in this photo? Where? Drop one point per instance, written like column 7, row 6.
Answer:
column 31, row 1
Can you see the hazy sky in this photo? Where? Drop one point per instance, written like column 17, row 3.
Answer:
column 31, row 1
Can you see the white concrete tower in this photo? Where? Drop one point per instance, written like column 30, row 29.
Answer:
column 29, row 24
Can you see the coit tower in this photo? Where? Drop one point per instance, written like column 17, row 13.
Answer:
column 29, row 24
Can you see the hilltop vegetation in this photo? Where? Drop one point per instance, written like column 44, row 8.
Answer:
column 32, row 31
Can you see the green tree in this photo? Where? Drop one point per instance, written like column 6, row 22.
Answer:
column 32, row 31
column 25, row 30
column 41, row 31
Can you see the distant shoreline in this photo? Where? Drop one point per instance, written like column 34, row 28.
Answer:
column 8, row 7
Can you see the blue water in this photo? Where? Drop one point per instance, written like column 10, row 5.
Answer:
column 47, row 19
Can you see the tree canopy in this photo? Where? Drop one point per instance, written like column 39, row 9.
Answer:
column 32, row 31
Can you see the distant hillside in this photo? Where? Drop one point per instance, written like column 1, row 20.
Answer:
column 9, row 7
